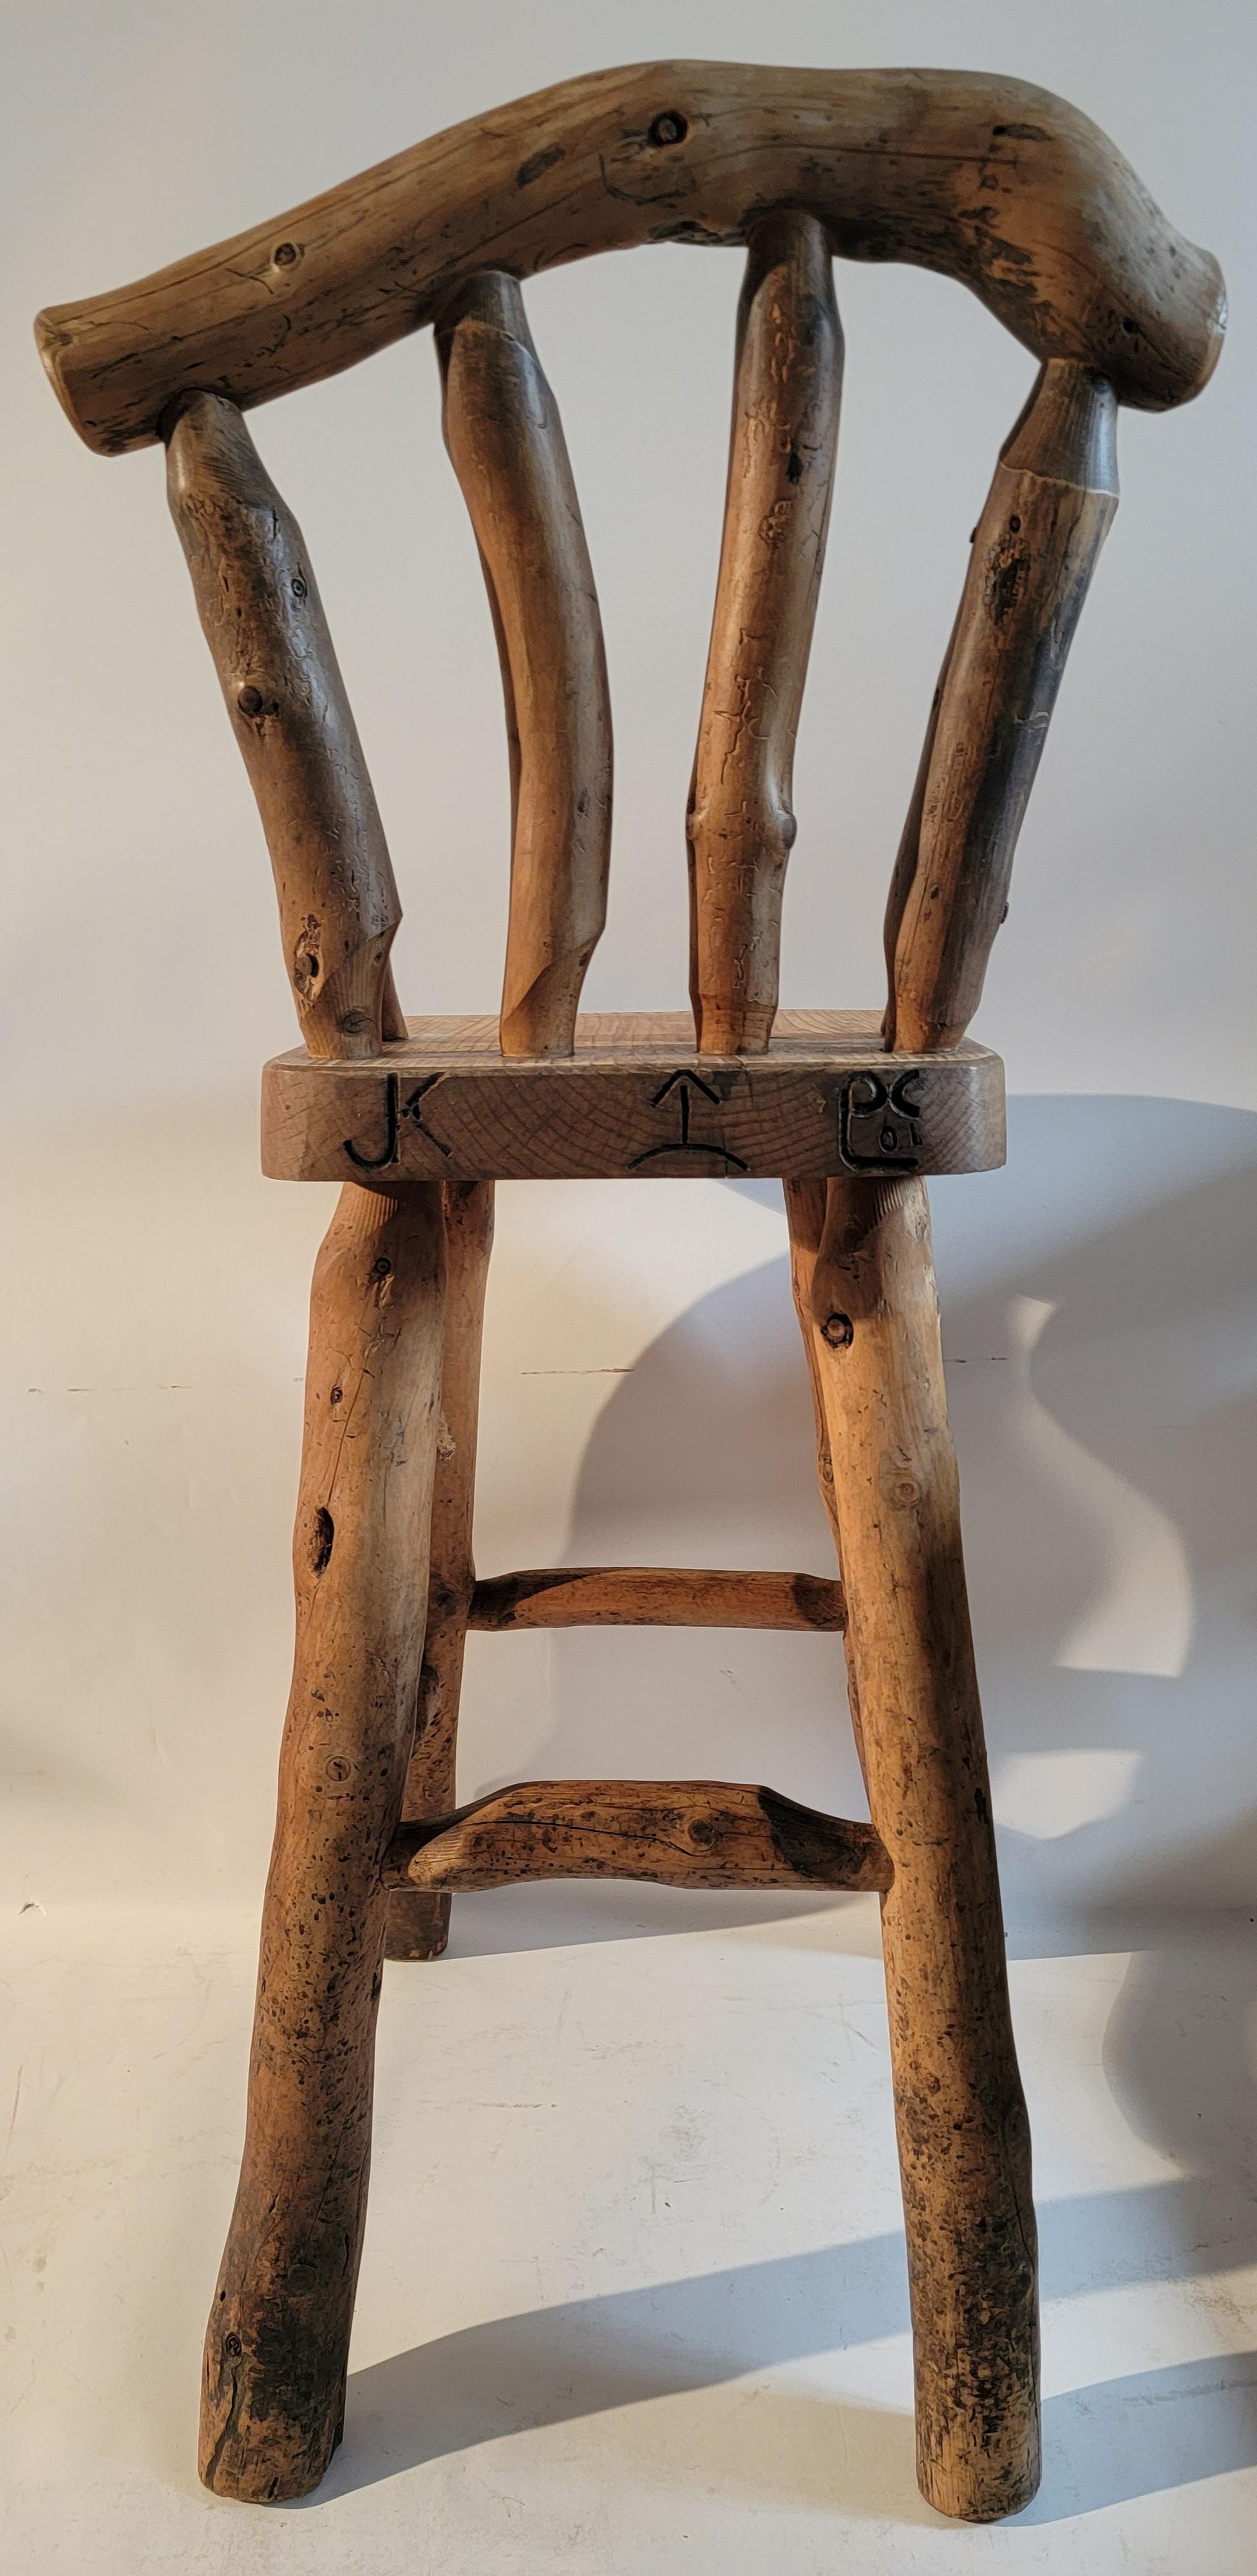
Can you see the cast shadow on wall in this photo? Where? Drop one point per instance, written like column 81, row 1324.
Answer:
column 1099, row 1335
column 1098, row 1328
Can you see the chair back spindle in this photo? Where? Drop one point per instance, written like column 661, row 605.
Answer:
column 988, row 181
column 505, row 441
column 741, row 825
column 1035, row 547
column 264, row 624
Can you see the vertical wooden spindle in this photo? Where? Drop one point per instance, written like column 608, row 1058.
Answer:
column 741, row 826
column 907, row 856
column 265, row 627
column 419, row 1920
column 805, row 1213
column 278, row 2334
column 1034, row 551
column 506, row 444
column 964, row 2146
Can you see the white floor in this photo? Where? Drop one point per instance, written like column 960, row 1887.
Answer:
column 633, row 2295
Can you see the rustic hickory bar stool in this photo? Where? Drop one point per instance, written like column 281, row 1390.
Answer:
column 988, row 181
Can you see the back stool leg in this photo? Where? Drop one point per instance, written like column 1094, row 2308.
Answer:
column 278, row 2337
column 419, row 1918
column 865, row 1285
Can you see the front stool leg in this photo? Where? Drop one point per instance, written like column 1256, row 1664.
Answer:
column 419, row 1918
column 278, row 2339
column 863, row 1266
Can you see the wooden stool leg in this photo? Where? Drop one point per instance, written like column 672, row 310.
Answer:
column 278, row 2337
column 419, row 1918
column 865, row 1278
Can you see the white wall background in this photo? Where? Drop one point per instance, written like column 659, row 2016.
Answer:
column 644, row 1393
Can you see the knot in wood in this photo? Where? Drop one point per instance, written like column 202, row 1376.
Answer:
column 839, row 1331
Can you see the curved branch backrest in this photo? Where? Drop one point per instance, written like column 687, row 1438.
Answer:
column 989, row 181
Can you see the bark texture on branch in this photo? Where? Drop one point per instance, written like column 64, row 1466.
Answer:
column 506, row 444
column 984, row 179
column 419, row 1922
column 678, row 1833
column 285, row 698
column 278, row 2336
column 741, row 825
column 964, row 2145
column 1035, row 548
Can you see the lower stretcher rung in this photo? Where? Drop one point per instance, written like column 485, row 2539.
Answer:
column 679, row 1833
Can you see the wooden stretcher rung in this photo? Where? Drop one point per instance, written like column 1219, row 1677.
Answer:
column 655, row 1596
column 678, row 1833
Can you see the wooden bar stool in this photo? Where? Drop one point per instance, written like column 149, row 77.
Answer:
column 1015, row 193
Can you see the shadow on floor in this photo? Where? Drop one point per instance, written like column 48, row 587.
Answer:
column 1132, row 1403
column 1177, row 2058
column 1103, row 2445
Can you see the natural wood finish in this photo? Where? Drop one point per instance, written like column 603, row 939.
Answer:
column 418, row 1921
column 506, row 444
column 963, row 2138
column 1010, row 191
column 635, row 1101
column 741, row 825
column 805, row 1210
column 278, row 2334
column 988, row 180
column 654, row 1596
column 679, row 1833
column 264, row 624
column 903, row 874
column 1034, row 550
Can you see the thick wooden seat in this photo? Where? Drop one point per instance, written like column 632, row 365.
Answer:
column 1012, row 192
column 634, row 1098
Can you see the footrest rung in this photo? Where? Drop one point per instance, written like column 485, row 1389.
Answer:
column 679, row 1833
column 655, row 1596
